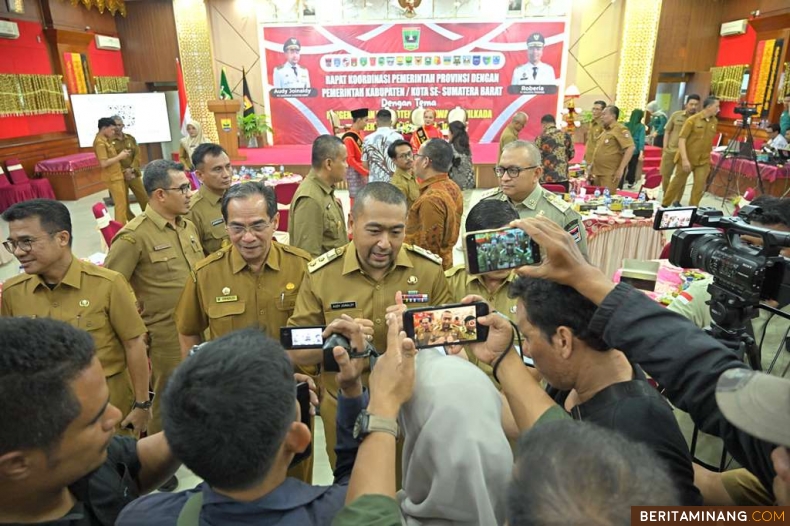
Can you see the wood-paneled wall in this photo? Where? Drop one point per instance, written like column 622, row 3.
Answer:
column 738, row 9
column 688, row 36
column 149, row 43
column 62, row 15
column 30, row 150
column 32, row 11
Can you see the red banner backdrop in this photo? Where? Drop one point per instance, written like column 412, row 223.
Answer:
column 482, row 68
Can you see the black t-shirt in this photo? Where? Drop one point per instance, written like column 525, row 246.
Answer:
column 102, row 494
column 639, row 412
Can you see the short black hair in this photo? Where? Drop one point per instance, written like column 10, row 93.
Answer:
column 489, row 214
column 774, row 127
column 384, row 115
column 549, row 305
column 157, row 174
column 53, row 215
column 614, row 109
column 39, row 358
column 709, row 101
column 248, row 189
column 440, row 153
column 618, row 473
column 104, row 122
column 227, row 408
column 380, row 192
column 469, row 318
column 548, row 119
column 693, row 96
column 325, row 147
column 600, row 103
column 774, row 211
column 207, row 148
column 394, row 146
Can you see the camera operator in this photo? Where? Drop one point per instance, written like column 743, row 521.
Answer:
column 60, row 463
column 679, row 356
column 231, row 416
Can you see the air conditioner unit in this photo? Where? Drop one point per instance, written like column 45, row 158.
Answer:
column 736, row 27
column 9, row 29
column 108, row 43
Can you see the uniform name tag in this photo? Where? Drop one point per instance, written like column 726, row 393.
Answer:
column 161, row 247
column 227, row 299
column 217, row 222
column 343, row 305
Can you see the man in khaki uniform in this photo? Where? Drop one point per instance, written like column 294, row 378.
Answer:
column 613, row 150
column 213, row 169
column 519, row 172
column 671, row 138
column 360, row 280
column 111, row 172
column 595, row 131
column 253, row 282
column 694, row 147
column 315, row 221
column 58, row 285
column 130, row 166
column 404, row 180
column 510, row 133
column 157, row 253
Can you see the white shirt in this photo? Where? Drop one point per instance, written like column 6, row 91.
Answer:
column 529, row 73
column 374, row 152
column 288, row 76
column 778, row 142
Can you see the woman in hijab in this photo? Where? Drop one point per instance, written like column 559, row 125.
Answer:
column 658, row 120
column 193, row 139
column 456, row 459
column 637, row 129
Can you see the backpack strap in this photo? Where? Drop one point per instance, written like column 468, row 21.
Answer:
column 190, row 513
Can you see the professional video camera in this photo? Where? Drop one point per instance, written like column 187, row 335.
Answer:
column 745, row 109
column 744, row 273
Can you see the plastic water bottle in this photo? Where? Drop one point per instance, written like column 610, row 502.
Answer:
column 282, row 170
column 607, row 200
column 607, row 193
column 642, row 197
column 573, row 196
column 597, row 192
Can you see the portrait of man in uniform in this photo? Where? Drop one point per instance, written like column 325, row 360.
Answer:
column 291, row 74
column 535, row 71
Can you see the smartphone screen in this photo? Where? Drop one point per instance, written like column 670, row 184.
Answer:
column 669, row 218
column 503, row 249
column 302, row 337
column 445, row 325
column 303, row 398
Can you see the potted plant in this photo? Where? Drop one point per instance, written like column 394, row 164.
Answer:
column 254, row 128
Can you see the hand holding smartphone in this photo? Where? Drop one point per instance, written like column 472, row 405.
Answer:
column 500, row 249
column 454, row 324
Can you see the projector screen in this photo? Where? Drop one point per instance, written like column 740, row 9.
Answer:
column 144, row 114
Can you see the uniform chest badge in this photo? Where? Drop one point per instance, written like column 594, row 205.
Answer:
column 84, row 303
column 513, row 309
column 412, row 280
column 290, row 286
column 225, row 291
column 414, row 296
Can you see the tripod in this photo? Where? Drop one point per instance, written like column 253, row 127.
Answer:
column 733, row 151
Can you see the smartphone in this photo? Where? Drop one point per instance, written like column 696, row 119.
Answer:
column 669, row 218
column 303, row 399
column 445, row 324
column 500, row 249
column 302, row 337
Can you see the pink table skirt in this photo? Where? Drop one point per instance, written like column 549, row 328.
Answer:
column 612, row 239
column 68, row 163
column 744, row 167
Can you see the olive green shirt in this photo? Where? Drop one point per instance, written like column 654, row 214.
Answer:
column 104, row 150
column 133, row 161
column 407, row 183
column 508, row 135
column 699, row 132
column 610, row 148
column 206, row 213
column 316, row 223
column 595, row 131
column 672, row 130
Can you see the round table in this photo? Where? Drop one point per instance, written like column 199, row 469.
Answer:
column 611, row 239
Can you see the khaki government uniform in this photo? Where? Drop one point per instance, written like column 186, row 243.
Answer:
column 593, row 134
column 91, row 298
column 508, row 135
column 133, row 161
column 205, row 212
column 228, row 296
column 112, row 176
column 335, row 285
column 671, row 138
column 157, row 260
column 608, row 154
column 699, row 132
column 315, row 222
column 542, row 203
column 406, row 183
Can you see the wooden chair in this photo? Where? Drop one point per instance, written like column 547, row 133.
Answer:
column 16, row 172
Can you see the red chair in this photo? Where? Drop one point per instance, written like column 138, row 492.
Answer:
column 554, row 188
column 108, row 227
column 10, row 194
column 41, row 187
column 652, row 180
column 591, row 189
column 665, row 251
column 284, row 194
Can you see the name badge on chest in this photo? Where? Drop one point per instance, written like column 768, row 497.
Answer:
column 414, row 296
column 343, row 305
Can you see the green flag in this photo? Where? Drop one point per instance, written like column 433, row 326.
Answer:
column 224, row 88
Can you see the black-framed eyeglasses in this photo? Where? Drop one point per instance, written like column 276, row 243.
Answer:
column 405, row 155
column 26, row 245
column 240, row 230
column 184, row 188
column 511, row 171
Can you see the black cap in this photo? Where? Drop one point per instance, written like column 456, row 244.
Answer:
column 359, row 114
column 536, row 40
column 291, row 42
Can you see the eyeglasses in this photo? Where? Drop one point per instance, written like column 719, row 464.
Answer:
column 184, row 188
column 405, row 155
column 26, row 245
column 511, row 171
column 257, row 228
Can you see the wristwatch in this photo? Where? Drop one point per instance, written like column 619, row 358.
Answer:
column 367, row 424
column 142, row 405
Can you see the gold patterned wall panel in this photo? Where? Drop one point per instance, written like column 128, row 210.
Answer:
column 640, row 29
column 194, row 46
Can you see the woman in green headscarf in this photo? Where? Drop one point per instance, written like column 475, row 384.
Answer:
column 637, row 130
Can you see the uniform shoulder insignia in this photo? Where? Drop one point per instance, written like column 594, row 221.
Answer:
column 102, row 272
column 425, row 253
column 214, row 256
column 295, row 251
column 556, row 202
column 322, row 260
column 128, row 238
column 454, row 270
column 490, row 194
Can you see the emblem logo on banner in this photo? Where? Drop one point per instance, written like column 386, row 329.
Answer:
column 411, row 38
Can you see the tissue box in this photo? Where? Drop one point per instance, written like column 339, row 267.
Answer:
column 640, row 274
